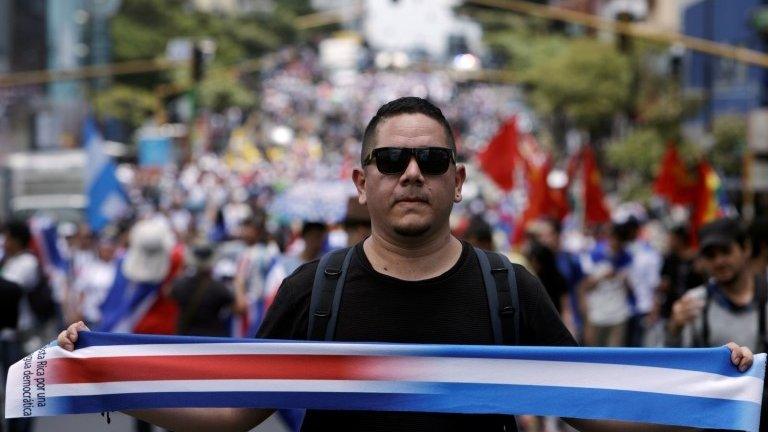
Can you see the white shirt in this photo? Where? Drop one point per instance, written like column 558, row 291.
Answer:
column 93, row 285
column 644, row 275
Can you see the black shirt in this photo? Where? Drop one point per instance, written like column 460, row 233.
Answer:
column 202, row 301
column 449, row 309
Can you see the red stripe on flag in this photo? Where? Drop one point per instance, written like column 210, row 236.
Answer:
column 215, row 367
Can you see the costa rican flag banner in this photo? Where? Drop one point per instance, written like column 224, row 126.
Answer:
column 110, row 372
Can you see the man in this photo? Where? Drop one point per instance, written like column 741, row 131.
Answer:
column 727, row 307
column 202, row 299
column 758, row 233
column 410, row 281
column 644, row 277
column 250, row 277
column 605, row 290
column 313, row 238
column 730, row 306
column 19, row 276
column 679, row 272
column 357, row 222
column 548, row 232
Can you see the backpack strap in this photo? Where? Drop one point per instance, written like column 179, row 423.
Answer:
column 326, row 294
column 501, row 290
column 704, row 342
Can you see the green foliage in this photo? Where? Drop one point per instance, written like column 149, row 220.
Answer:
column 129, row 104
column 589, row 81
column 638, row 153
column 142, row 29
column 220, row 91
column 730, row 133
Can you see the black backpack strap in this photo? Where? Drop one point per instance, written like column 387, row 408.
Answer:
column 326, row 294
column 501, row 290
column 704, row 342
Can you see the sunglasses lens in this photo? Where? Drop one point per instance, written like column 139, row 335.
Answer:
column 392, row 160
column 433, row 161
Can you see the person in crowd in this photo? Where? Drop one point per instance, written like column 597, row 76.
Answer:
column 731, row 305
column 644, row 277
column 679, row 272
column 605, row 290
column 250, row 277
column 357, row 222
column 411, row 281
column 544, row 265
column 20, row 273
column 758, row 235
column 203, row 301
column 548, row 231
column 479, row 233
column 90, row 287
column 311, row 243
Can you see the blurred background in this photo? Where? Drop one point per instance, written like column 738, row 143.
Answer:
column 219, row 138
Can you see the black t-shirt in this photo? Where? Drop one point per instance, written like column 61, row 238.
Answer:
column 201, row 303
column 682, row 276
column 449, row 309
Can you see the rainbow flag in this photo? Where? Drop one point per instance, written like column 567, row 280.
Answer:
column 711, row 201
column 109, row 372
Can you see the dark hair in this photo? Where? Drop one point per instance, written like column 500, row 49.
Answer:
column 19, row 231
column 404, row 105
column 553, row 223
column 308, row 227
column 681, row 232
column 479, row 229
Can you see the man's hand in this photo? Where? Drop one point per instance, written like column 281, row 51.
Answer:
column 685, row 310
column 741, row 356
column 68, row 337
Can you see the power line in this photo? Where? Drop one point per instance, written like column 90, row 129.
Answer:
column 87, row 72
column 639, row 30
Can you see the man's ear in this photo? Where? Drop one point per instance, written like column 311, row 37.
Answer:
column 461, row 176
column 358, row 176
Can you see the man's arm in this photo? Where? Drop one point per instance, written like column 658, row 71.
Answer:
column 618, row 426
column 184, row 419
column 204, row 419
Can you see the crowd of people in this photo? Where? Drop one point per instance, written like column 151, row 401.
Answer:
column 204, row 250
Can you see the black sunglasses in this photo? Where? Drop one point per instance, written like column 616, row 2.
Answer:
column 394, row 160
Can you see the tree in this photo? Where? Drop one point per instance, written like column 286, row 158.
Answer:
column 589, row 82
column 128, row 104
column 220, row 91
column 730, row 133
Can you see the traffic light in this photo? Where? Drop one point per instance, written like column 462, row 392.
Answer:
column 624, row 40
column 198, row 63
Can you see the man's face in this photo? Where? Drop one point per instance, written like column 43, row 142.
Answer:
column 410, row 204
column 725, row 263
column 249, row 233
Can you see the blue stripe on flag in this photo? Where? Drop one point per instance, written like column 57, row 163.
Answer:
column 486, row 399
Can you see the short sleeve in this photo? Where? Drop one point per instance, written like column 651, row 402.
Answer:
column 287, row 317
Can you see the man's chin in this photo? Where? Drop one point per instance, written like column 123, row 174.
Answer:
column 411, row 230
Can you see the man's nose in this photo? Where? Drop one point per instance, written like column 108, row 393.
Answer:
column 412, row 171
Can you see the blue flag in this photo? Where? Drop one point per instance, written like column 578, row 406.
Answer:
column 106, row 198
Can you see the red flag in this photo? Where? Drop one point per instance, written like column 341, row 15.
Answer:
column 543, row 201
column 673, row 181
column 595, row 210
column 499, row 156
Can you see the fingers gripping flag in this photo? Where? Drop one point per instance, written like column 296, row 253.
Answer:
column 107, row 372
